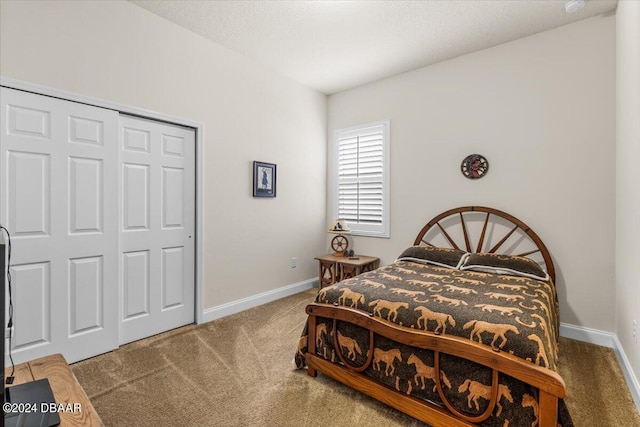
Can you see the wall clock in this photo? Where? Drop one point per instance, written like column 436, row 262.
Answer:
column 474, row 166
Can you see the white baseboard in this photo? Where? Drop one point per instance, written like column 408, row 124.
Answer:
column 632, row 380
column 606, row 339
column 592, row 336
column 237, row 306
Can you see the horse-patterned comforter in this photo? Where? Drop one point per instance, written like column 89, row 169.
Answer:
column 515, row 314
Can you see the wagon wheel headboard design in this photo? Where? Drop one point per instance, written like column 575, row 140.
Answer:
column 512, row 236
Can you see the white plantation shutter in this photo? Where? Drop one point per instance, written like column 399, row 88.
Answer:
column 362, row 193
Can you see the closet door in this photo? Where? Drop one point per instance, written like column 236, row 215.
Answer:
column 58, row 190
column 157, row 230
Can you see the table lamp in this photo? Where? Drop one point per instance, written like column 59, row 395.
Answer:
column 339, row 244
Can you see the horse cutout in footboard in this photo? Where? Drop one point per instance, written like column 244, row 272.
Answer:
column 550, row 384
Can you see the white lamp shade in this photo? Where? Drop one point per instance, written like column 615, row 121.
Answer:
column 339, row 226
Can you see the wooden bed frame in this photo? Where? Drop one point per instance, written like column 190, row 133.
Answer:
column 550, row 384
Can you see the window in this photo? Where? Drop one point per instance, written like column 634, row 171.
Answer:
column 361, row 173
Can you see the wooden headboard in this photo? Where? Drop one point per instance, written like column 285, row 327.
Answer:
column 456, row 222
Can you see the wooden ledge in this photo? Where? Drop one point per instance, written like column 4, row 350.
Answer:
column 65, row 386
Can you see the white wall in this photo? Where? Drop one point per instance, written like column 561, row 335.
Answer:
column 627, row 189
column 119, row 52
column 542, row 110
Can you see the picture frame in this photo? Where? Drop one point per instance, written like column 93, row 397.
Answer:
column 264, row 179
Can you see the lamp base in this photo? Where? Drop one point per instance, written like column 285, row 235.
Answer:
column 339, row 244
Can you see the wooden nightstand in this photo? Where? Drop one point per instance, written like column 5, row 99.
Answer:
column 334, row 269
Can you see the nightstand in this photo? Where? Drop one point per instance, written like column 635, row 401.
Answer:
column 334, row 269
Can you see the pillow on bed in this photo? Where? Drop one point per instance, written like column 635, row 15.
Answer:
column 504, row 264
column 443, row 257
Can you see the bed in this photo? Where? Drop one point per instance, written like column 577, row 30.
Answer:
column 461, row 330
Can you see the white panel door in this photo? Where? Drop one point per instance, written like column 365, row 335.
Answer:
column 58, row 190
column 158, row 223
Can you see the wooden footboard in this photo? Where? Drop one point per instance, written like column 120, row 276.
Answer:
column 550, row 384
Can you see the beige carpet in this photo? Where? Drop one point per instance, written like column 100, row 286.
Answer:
column 237, row 371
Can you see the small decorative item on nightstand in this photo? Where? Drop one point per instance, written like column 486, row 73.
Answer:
column 339, row 244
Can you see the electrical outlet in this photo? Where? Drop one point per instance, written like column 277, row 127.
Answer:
column 635, row 332
column 294, row 262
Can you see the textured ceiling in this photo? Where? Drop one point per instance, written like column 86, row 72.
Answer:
column 336, row 45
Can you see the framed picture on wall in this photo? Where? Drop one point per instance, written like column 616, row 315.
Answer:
column 264, row 179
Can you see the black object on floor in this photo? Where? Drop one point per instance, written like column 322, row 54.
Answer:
column 31, row 405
